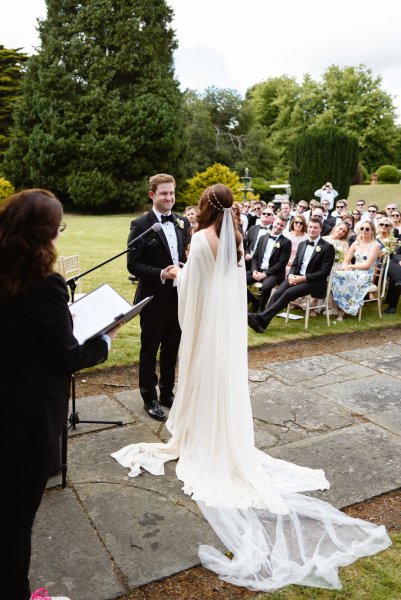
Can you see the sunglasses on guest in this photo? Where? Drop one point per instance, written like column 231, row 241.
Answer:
column 340, row 206
column 268, row 214
column 298, row 223
column 384, row 225
column 365, row 229
column 356, row 213
column 360, row 204
column 372, row 210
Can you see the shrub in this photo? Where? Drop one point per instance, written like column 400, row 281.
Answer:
column 6, row 188
column 322, row 154
column 361, row 175
column 388, row 174
column 217, row 173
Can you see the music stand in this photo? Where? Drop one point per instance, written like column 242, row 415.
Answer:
column 73, row 419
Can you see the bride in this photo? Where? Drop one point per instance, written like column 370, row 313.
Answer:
column 277, row 536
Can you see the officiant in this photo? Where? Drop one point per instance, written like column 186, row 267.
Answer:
column 38, row 354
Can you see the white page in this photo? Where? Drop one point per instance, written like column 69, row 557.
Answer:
column 97, row 310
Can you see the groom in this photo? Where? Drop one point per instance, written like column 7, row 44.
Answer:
column 308, row 275
column 153, row 264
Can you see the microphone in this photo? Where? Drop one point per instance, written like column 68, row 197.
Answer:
column 139, row 241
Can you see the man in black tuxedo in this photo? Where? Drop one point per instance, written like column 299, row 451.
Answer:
column 394, row 289
column 154, row 264
column 308, row 275
column 269, row 261
column 327, row 222
column 254, row 233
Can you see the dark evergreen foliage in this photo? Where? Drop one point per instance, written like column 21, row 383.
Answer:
column 322, row 154
column 101, row 110
column 11, row 69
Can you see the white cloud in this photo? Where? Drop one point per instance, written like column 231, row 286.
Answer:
column 236, row 43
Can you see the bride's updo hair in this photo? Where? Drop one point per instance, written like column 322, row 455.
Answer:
column 212, row 203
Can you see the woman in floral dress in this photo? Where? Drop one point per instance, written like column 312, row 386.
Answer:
column 351, row 282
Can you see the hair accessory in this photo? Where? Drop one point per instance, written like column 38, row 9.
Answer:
column 220, row 206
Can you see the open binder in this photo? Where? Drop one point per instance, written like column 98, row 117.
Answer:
column 99, row 311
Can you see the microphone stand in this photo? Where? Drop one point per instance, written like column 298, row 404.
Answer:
column 73, row 418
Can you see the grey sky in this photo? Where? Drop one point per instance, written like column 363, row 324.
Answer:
column 236, row 43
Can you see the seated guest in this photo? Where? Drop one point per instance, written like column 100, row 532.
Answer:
column 357, row 215
column 394, row 288
column 296, row 235
column 237, row 212
column 338, row 237
column 285, row 210
column 255, row 232
column 371, row 213
column 396, row 220
column 328, row 219
column 271, row 206
column 308, row 275
column 351, row 282
column 390, row 208
column 327, row 226
column 191, row 212
column 385, row 236
column 254, row 214
column 269, row 261
column 300, row 208
column 340, row 206
column 361, row 206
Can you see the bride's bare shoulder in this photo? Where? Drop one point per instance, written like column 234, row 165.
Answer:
column 212, row 239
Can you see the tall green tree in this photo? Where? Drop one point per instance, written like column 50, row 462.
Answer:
column 11, row 70
column 101, row 109
column 322, row 154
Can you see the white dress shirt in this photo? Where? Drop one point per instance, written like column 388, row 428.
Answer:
column 308, row 255
column 268, row 251
column 171, row 237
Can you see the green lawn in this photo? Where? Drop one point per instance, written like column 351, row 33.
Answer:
column 380, row 194
column 374, row 578
column 96, row 238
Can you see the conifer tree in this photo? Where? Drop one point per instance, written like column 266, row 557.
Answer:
column 11, row 66
column 322, row 154
column 100, row 110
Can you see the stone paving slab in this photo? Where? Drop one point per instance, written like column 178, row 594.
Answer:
column 389, row 419
column 98, row 408
column 133, row 402
column 319, row 371
column 390, row 364
column 148, row 537
column 291, row 414
column 90, row 462
column 367, row 396
column 360, row 462
column 68, row 558
column 362, row 354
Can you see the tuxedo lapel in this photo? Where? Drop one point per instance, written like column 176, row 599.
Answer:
column 302, row 250
column 153, row 219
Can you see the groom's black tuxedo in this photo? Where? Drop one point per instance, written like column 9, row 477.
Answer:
column 159, row 318
column 316, row 274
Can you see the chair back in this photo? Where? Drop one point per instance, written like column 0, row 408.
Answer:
column 69, row 266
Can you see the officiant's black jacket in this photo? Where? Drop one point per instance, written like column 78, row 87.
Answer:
column 38, row 353
column 318, row 268
column 147, row 262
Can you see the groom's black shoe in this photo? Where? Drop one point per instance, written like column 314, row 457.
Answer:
column 155, row 411
column 167, row 401
column 255, row 323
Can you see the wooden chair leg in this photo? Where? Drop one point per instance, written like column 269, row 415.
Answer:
column 307, row 309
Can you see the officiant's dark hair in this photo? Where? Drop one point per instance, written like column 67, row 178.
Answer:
column 29, row 224
column 212, row 203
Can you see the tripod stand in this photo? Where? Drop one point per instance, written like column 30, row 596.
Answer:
column 73, row 419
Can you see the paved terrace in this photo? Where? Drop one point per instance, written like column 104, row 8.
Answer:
column 106, row 534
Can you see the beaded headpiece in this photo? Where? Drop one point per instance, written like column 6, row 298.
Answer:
column 219, row 204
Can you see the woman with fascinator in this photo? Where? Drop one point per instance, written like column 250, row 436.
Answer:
column 277, row 536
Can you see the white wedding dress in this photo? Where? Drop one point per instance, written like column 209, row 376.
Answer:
column 277, row 536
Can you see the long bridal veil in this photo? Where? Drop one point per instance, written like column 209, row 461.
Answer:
column 277, row 536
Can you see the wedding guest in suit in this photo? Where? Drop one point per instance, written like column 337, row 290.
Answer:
column 308, row 275
column 269, row 261
column 254, row 214
column 38, row 354
column 190, row 213
column 255, row 232
column 327, row 224
column 154, row 264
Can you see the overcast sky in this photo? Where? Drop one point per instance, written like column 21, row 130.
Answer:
column 236, row 43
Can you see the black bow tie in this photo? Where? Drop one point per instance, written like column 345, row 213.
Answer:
column 166, row 218
column 264, row 227
column 273, row 237
column 310, row 243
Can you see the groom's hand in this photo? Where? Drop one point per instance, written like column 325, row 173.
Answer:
column 169, row 272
